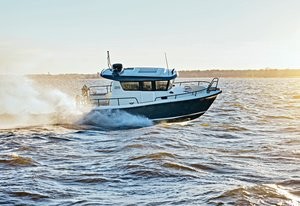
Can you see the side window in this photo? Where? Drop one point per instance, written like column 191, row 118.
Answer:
column 146, row 86
column 161, row 85
column 130, row 86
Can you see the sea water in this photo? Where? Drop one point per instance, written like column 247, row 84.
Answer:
column 245, row 150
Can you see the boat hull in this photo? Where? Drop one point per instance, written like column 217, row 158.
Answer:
column 174, row 111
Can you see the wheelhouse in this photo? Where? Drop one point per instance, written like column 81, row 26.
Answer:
column 141, row 78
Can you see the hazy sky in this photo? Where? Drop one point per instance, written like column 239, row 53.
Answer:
column 72, row 36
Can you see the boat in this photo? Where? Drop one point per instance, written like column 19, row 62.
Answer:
column 153, row 93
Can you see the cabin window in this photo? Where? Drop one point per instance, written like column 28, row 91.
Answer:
column 161, row 85
column 147, row 86
column 130, row 86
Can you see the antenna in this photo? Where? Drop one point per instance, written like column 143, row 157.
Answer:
column 108, row 60
column 166, row 60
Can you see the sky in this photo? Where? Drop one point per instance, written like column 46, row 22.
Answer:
column 72, row 36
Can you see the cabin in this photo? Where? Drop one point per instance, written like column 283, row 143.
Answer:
column 135, row 85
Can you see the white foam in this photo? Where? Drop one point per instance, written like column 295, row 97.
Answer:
column 113, row 119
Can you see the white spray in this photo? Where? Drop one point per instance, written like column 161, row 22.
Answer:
column 113, row 119
column 22, row 103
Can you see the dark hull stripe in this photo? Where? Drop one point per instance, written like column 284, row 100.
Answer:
column 213, row 96
column 168, row 111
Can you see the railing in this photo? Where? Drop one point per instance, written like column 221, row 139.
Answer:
column 193, row 93
column 189, row 82
column 213, row 85
column 106, row 101
column 93, row 90
column 210, row 87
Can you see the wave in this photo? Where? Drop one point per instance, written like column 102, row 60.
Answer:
column 113, row 119
column 179, row 167
column 155, row 156
column 296, row 97
column 265, row 194
column 16, row 160
column 30, row 195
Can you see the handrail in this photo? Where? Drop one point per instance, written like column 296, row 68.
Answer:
column 181, row 94
column 211, row 86
column 198, row 82
column 110, row 99
column 208, row 89
column 107, row 87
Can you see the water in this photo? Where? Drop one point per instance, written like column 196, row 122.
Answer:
column 244, row 151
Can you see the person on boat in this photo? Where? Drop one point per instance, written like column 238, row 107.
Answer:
column 85, row 94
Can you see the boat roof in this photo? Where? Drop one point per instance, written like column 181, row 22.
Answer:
column 140, row 74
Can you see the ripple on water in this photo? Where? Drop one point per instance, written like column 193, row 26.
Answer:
column 93, row 180
column 141, row 147
column 294, row 185
column 155, row 156
column 233, row 128
column 202, row 167
column 149, row 173
column 135, row 146
column 17, row 160
column 178, row 166
column 265, row 194
column 30, row 195
column 296, row 97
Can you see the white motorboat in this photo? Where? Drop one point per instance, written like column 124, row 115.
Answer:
column 153, row 93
